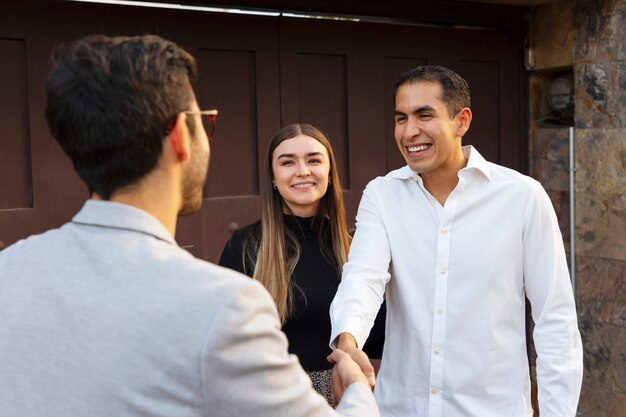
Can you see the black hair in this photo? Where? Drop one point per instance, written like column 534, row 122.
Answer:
column 455, row 91
column 112, row 100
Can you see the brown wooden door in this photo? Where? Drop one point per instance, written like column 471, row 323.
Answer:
column 261, row 73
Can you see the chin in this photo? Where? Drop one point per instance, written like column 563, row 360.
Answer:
column 418, row 168
column 190, row 206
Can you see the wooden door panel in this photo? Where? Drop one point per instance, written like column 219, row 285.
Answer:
column 228, row 83
column 239, row 75
column 484, row 132
column 322, row 101
column 16, row 187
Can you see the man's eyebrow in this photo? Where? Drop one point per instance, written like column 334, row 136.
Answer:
column 422, row 109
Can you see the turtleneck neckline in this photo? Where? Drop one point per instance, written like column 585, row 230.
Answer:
column 299, row 224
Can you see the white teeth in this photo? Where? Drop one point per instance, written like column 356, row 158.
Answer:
column 418, row 148
column 308, row 184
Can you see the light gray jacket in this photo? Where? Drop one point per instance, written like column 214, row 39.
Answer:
column 107, row 316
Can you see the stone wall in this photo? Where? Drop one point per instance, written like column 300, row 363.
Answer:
column 588, row 37
column 600, row 80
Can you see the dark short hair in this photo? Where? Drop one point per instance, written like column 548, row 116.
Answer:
column 456, row 93
column 112, row 100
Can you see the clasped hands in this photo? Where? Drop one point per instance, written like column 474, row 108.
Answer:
column 351, row 365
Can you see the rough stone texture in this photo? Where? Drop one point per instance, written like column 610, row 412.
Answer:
column 600, row 94
column 599, row 26
column 599, row 63
column 597, row 401
column 601, row 193
column 601, row 160
column 600, row 100
column 553, row 35
column 601, row 293
column 549, row 164
column 549, row 158
column 538, row 105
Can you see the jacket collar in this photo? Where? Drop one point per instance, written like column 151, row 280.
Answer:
column 112, row 215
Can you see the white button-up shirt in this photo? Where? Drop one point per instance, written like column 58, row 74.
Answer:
column 455, row 279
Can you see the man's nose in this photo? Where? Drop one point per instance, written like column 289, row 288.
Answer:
column 413, row 128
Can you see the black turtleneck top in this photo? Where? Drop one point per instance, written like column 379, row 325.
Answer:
column 314, row 283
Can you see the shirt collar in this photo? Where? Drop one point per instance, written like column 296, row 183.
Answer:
column 112, row 215
column 475, row 162
column 403, row 173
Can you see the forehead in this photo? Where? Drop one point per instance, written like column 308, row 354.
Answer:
column 411, row 96
column 298, row 146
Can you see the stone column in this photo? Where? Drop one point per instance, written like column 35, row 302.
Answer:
column 600, row 99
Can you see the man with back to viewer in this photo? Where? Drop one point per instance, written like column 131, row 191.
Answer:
column 107, row 316
column 455, row 244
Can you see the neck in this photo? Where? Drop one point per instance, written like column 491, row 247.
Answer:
column 157, row 198
column 444, row 179
column 301, row 211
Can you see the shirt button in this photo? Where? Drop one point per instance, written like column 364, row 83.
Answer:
column 444, row 232
column 440, row 311
column 434, row 391
column 437, row 351
column 443, row 271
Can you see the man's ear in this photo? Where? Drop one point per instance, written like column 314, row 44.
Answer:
column 465, row 119
column 179, row 137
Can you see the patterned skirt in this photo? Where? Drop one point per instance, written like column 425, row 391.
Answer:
column 321, row 384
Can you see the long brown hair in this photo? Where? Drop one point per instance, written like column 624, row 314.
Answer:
column 267, row 251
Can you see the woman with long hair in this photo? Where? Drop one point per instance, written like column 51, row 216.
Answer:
column 298, row 247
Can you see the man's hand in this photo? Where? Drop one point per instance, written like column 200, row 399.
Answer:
column 351, row 365
column 347, row 343
column 345, row 372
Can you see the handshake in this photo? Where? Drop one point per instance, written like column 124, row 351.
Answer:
column 351, row 365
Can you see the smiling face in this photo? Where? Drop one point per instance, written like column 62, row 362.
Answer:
column 428, row 137
column 300, row 170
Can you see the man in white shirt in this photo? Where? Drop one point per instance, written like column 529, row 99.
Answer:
column 107, row 315
column 455, row 244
